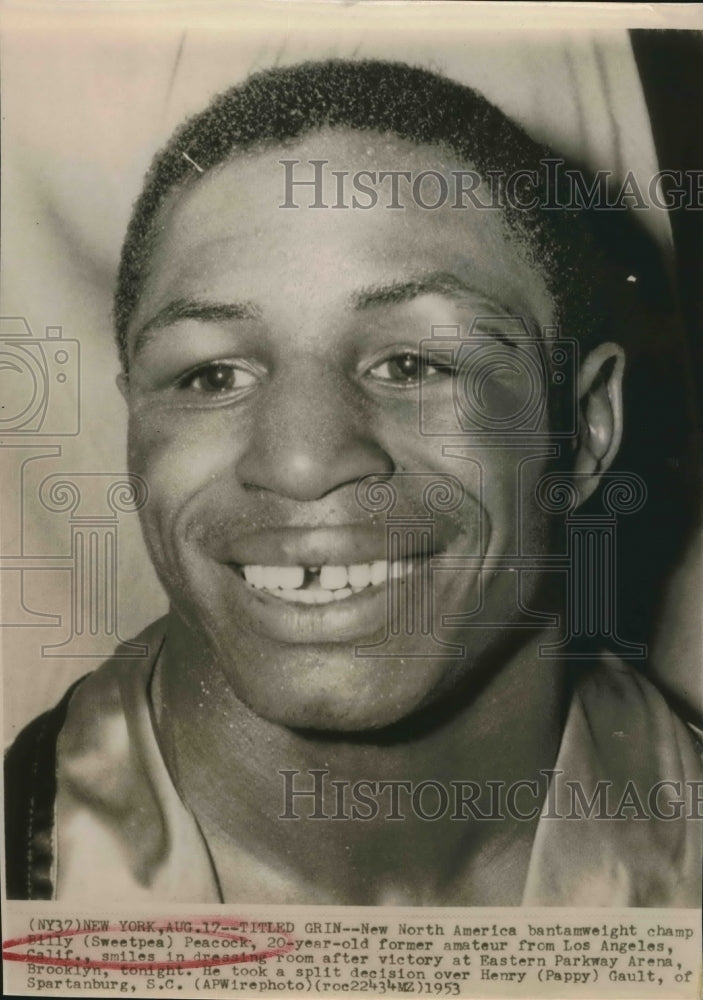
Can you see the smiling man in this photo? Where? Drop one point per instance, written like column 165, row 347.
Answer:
column 273, row 331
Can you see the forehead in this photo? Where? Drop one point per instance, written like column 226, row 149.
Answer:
column 250, row 224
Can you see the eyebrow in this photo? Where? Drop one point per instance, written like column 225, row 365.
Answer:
column 203, row 312
column 436, row 283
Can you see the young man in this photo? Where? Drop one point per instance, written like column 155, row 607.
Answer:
column 281, row 275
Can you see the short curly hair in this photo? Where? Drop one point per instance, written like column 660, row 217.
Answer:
column 415, row 104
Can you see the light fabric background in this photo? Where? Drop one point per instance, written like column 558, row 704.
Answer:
column 87, row 98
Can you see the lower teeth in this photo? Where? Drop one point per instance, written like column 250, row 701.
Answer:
column 314, row 596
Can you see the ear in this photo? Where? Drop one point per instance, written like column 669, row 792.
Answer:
column 122, row 382
column 600, row 413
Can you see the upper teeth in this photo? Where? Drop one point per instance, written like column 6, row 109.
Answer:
column 335, row 582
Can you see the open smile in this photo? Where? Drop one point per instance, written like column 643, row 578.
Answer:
column 323, row 584
column 326, row 583
column 322, row 603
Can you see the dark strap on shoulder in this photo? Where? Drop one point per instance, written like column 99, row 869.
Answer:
column 30, row 792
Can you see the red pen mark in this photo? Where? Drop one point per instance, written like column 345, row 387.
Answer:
column 229, row 933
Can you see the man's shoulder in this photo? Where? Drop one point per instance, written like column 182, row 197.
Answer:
column 30, row 766
column 625, row 754
column 122, row 666
column 30, row 790
column 625, row 717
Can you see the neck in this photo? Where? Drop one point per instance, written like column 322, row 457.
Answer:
column 242, row 776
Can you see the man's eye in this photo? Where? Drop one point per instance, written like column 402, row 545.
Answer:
column 218, row 378
column 407, row 368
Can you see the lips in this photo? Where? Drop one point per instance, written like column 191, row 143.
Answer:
column 326, row 584
column 340, row 545
column 318, row 584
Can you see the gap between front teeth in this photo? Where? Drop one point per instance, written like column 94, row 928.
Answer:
column 335, row 582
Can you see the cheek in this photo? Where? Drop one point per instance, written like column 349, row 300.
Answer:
column 509, row 478
column 178, row 459
column 178, row 454
column 499, row 511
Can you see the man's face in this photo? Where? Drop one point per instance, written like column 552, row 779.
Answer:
column 273, row 363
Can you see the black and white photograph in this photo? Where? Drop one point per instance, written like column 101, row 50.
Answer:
column 350, row 546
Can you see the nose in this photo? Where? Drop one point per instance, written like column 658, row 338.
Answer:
column 310, row 435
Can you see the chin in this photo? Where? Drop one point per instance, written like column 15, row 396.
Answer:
column 339, row 692
column 334, row 720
